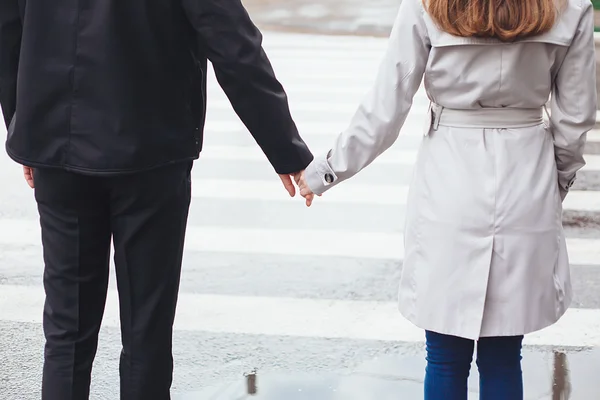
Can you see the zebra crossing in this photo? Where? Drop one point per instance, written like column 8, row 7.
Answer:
column 267, row 282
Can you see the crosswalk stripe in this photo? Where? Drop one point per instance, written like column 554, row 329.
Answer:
column 309, row 89
column 291, row 242
column 359, row 62
column 349, row 193
column 312, row 106
column 254, row 153
column 317, row 45
column 328, row 77
column 330, row 129
column 324, row 47
column 341, row 319
column 582, row 200
column 254, row 241
column 394, row 156
column 314, row 128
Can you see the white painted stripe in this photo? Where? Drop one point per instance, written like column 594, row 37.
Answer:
column 348, row 107
column 310, row 90
column 290, row 242
column 327, row 59
column 327, row 78
column 308, row 126
column 350, row 193
column 324, row 104
column 340, row 319
column 330, row 74
column 360, row 65
column 308, row 39
column 325, row 51
column 582, row 200
column 357, row 44
column 593, row 136
column 254, row 153
column 592, row 162
column 236, row 126
column 233, row 125
column 296, row 106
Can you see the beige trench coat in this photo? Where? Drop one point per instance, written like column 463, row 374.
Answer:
column 485, row 252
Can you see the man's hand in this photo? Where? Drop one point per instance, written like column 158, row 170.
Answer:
column 28, row 174
column 288, row 184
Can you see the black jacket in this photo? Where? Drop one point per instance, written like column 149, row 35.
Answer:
column 113, row 86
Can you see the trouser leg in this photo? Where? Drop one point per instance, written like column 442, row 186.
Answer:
column 75, row 226
column 149, row 218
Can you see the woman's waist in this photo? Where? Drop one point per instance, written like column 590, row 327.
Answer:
column 490, row 118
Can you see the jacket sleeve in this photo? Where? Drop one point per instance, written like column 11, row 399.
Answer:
column 574, row 102
column 378, row 120
column 10, row 44
column 233, row 44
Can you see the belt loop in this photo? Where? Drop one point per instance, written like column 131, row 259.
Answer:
column 437, row 109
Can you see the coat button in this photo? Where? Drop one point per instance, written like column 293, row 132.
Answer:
column 328, row 178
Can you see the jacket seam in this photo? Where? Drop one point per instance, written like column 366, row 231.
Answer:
column 67, row 149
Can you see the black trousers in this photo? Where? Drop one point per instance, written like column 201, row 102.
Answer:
column 145, row 214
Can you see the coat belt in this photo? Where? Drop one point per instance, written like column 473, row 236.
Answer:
column 490, row 118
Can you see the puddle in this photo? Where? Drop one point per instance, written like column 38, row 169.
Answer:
column 549, row 375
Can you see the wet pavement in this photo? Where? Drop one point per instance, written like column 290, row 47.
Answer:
column 549, row 375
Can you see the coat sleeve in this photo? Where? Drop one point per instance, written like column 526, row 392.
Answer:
column 378, row 120
column 574, row 102
column 10, row 44
column 233, row 44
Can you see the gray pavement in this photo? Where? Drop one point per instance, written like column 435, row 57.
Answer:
column 271, row 285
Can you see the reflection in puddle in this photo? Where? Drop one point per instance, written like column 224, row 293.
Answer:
column 561, row 385
column 251, row 382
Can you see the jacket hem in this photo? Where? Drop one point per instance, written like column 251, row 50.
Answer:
column 94, row 171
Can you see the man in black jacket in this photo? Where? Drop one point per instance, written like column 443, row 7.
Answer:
column 105, row 106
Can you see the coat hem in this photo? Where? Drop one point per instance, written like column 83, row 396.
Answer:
column 451, row 332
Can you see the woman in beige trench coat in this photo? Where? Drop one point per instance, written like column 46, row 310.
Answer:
column 486, row 258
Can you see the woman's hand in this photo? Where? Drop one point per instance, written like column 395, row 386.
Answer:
column 304, row 189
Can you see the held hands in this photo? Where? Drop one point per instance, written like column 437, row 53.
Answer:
column 301, row 182
column 304, row 189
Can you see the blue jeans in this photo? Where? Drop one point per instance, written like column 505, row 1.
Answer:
column 449, row 362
